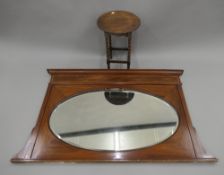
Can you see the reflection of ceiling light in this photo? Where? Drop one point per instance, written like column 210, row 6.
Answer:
column 116, row 141
column 118, row 155
column 118, row 97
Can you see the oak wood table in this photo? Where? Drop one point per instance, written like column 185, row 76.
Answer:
column 118, row 23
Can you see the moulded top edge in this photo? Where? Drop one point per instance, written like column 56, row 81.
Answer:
column 163, row 72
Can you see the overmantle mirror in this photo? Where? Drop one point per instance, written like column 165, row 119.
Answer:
column 114, row 116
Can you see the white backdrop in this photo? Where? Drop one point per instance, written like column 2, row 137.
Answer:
column 175, row 34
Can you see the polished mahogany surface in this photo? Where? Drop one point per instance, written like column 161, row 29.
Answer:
column 118, row 22
column 182, row 146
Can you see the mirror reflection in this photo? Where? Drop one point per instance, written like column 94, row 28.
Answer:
column 114, row 120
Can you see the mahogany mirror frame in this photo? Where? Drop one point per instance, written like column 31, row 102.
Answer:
column 183, row 146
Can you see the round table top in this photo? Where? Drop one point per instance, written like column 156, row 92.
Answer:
column 118, row 22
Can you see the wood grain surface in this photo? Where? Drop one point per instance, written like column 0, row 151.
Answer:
column 183, row 146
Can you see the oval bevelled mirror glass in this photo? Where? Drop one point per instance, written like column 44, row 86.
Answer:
column 114, row 120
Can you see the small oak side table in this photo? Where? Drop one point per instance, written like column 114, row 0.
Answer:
column 119, row 23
